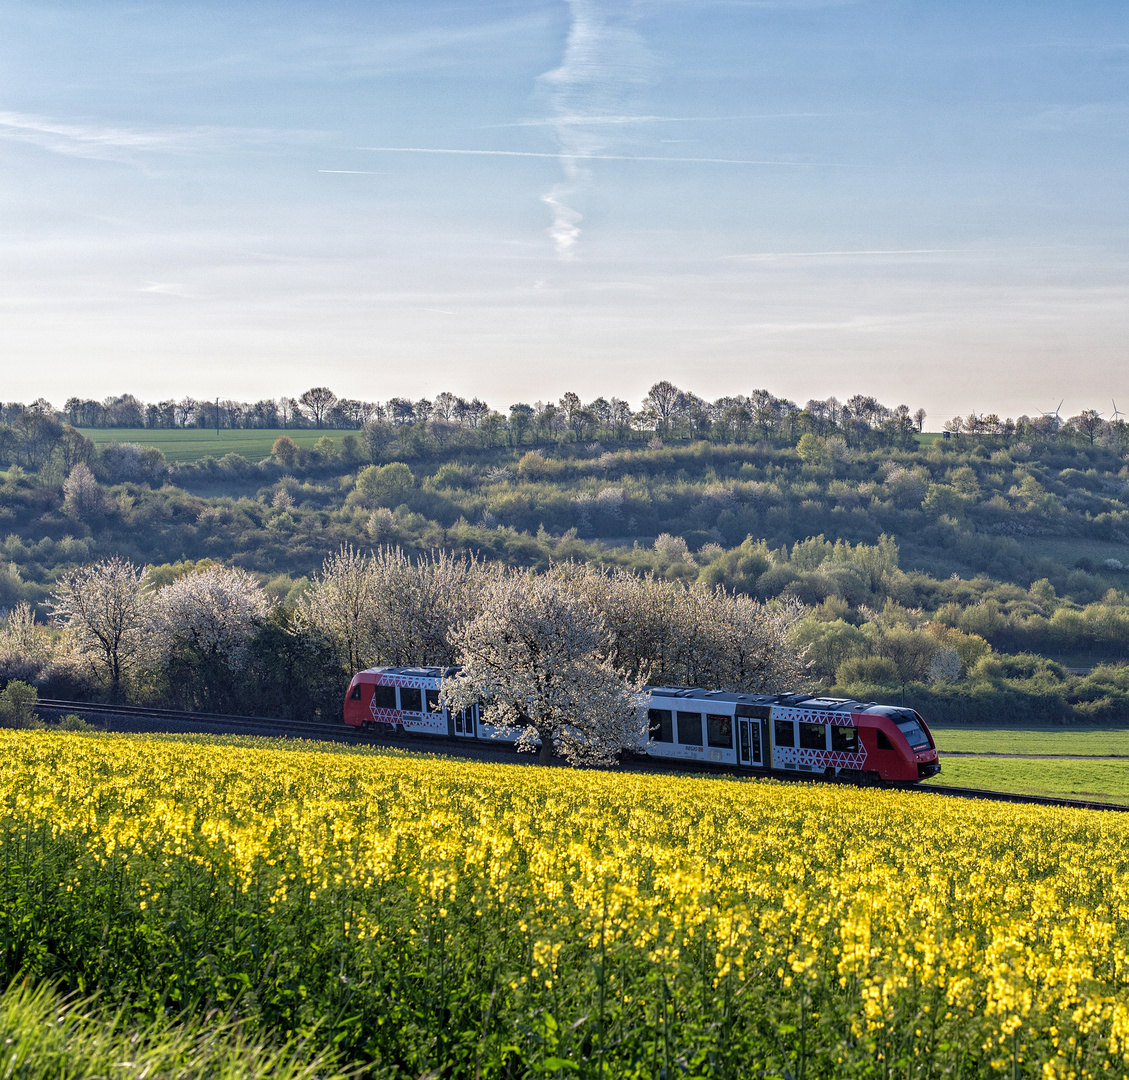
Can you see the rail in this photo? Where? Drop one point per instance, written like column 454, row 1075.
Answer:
column 339, row 732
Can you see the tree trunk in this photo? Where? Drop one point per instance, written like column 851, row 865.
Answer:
column 545, row 754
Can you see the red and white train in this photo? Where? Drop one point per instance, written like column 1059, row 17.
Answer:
column 784, row 733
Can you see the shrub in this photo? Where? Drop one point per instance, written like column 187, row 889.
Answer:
column 867, row 671
column 17, row 706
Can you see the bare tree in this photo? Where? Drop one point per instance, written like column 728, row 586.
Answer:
column 1089, row 423
column 919, row 419
column 683, row 635
column 445, row 405
column 539, row 657
column 287, row 410
column 107, row 617
column 663, row 400
column 317, row 401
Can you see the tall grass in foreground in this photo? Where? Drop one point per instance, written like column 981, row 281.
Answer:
column 45, row 1037
column 447, row 918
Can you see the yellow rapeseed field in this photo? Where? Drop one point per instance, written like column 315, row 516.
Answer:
column 439, row 916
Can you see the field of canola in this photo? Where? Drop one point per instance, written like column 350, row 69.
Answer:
column 443, row 918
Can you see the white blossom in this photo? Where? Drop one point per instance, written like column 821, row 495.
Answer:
column 106, row 613
column 539, row 658
column 214, row 611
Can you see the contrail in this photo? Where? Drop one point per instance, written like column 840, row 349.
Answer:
column 605, row 65
column 582, row 156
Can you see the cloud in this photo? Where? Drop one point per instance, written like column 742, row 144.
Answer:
column 106, row 142
column 1065, row 117
column 764, row 256
column 605, row 66
column 95, row 141
column 595, row 157
column 165, row 288
column 556, row 121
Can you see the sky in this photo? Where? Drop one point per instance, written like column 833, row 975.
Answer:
column 922, row 201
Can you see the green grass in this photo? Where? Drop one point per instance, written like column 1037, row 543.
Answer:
column 1074, row 742
column 191, row 444
column 1064, row 778
column 45, row 1037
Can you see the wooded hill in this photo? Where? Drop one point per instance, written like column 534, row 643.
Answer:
column 1002, row 550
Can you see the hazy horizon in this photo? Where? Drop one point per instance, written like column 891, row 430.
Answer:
column 508, row 200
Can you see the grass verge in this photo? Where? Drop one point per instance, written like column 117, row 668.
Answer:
column 1094, row 780
column 44, row 1037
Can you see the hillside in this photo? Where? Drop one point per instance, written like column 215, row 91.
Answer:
column 1014, row 543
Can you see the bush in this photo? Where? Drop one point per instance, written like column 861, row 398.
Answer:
column 383, row 485
column 17, row 706
column 867, row 671
column 73, row 722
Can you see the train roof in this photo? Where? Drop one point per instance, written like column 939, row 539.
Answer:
column 687, row 693
column 794, row 701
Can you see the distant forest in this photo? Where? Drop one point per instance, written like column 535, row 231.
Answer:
column 980, row 570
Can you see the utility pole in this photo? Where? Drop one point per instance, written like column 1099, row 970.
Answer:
column 217, row 417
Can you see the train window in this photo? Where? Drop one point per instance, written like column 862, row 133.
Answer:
column 813, row 736
column 914, row 734
column 384, row 697
column 784, row 731
column 719, row 731
column 662, row 725
column 411, row 700
column 356, row 694
column 883, row 742
column 845, row 740
column 690, row 728
column 432, row 700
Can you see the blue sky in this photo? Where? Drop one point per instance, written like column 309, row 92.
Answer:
column 923, row 201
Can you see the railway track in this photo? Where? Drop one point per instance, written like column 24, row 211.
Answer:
column 172, row 721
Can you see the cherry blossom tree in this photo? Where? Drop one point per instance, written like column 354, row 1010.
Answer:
column 213, row 611
column 539, row 657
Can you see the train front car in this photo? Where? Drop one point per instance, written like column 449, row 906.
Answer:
column 791, row 734
column 848, row 739
column 899, row 744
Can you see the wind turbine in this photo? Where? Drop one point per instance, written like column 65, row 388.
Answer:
column 1117, row 413
column 1055, row 414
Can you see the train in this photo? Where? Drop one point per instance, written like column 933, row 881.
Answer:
column 788, row 734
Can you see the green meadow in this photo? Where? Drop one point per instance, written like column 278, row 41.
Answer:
column 1068, row 742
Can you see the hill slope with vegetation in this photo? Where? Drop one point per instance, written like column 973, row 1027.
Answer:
column 977, row 575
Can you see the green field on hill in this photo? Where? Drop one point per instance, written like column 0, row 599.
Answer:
column 191, row 444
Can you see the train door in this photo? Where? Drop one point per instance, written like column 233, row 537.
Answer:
column 466, row 723
column 752, row 746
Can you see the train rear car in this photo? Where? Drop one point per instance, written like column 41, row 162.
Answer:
column 406, row 699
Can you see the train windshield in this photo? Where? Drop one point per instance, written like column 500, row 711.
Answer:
column 914, row 733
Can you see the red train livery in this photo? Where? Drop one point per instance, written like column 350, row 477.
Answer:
column 782, row 733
